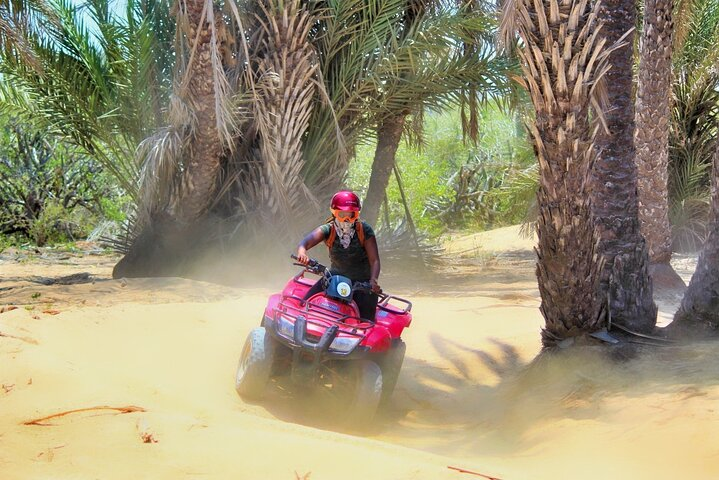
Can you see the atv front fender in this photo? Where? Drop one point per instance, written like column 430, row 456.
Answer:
column 272, row 303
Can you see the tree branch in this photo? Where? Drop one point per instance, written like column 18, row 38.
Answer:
column 128, row 409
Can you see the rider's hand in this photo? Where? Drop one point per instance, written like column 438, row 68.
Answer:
column 302, row 256
column 375, row 286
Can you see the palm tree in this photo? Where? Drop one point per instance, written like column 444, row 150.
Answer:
column 288, row 80
column 391, row 125
column 357, row 49
column 699, row 310
column 181, row 162
column 445, row 56
column 563, row 59
column 694, row 129
column 102, row 91
column 204, row 88
column 651, row 136
column 625, row 279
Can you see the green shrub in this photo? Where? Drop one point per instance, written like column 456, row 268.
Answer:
column 57, row 224
column 50, row 192
column 8, row 241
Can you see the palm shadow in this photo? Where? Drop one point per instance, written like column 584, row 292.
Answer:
column 489, row 400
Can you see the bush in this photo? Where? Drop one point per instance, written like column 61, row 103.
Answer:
column 7, row 241
column 50, row 192
column 56, row 224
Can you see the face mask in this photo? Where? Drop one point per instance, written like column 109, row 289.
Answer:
column 345, row 232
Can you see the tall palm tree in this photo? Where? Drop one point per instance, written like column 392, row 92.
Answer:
column 699, row 310
column 458, row 64
column 288, row 79
column 625, row 279
column 391, row 126
column 357, row 46
column 694, row 142
column 204, row 88
column 651, row 136
column 563, row 59
column 181, row 162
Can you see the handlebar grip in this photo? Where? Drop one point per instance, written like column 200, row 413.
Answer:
column 312, row 263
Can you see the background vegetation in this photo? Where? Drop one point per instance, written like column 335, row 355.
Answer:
column 450, row 182
column 52, row 194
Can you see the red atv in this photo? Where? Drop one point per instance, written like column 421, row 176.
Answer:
column 323, row 342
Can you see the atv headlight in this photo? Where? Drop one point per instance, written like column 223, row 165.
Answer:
column 344, row 344
column 285, row 327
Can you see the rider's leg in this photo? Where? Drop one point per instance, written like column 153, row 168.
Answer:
column 367, row 304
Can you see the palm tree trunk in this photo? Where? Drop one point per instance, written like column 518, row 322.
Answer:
column 557, row 46
column 389, row 132
column 615, row 202
column 167, row 239
column 699, row 311
column 389, row 135
column 287, row 84
column 651, row 136
column 206, row 148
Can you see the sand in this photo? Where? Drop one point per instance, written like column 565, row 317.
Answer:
column 470, row 395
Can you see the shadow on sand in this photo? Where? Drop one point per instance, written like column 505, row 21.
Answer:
column 489, row 400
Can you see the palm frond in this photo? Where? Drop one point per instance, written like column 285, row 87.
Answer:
column 90, row 90
column 159, row 175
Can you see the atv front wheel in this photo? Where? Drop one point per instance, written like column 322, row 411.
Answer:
column 365, row 377
column 253, row 371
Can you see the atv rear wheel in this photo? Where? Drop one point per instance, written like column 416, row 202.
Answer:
column 391, row 365
column 253, row 371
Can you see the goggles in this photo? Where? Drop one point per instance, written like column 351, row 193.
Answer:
column 345, row 216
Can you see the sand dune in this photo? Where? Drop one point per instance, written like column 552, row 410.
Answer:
column 470, row 395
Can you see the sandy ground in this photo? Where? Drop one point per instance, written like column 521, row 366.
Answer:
column 470, row 395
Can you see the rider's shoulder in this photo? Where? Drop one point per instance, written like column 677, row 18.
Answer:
column 368, row 230
column 325, row 228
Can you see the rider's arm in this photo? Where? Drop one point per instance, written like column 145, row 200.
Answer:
column 312, row 239
column 370, row 246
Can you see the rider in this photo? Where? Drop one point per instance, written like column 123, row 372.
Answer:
column 352, row 250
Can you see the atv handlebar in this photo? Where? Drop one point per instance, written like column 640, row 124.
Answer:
column 316, row 267
column 313, row 265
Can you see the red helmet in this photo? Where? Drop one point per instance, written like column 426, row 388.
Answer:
column 345, row 201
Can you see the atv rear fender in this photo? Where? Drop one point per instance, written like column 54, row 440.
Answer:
column 393, row 318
